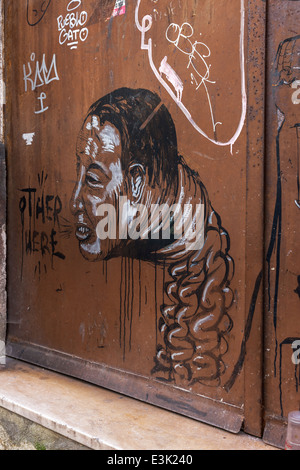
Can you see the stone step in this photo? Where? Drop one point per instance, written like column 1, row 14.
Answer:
column 45, row 410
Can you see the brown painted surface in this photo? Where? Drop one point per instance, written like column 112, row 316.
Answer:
column 253, row 365
column 123, row 322
column 2, row 204
column 282, row 326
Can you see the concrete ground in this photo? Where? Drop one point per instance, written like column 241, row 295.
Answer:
column 43, row 410
column 18, row 433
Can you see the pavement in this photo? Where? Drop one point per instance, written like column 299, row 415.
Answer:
column 43, row 410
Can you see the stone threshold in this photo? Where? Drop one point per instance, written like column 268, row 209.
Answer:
column 100, row 419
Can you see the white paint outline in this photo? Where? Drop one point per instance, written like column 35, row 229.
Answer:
column 146, row 26
column 28, row 137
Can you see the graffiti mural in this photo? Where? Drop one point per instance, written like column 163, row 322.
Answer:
column 127, row 147
column 131, row 260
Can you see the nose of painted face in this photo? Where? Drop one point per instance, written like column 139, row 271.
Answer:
column 89, row 245
column 76, row 203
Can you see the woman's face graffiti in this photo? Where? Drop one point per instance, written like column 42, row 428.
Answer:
column 126, row 170
column 99, row 179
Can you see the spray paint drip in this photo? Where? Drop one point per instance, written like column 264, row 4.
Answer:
column 297, row 201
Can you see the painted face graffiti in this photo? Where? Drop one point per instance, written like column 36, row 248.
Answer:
column 127, row 148
column 99, row 180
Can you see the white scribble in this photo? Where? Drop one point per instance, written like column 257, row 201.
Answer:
column 91, row 148
column 28, row 138
column 40, row 74
column 199, row 78
column 72, row 29
column 181, row 36
column 73, row 5
column 172, row 76
column 41, row 98
column 95, row 122
column 117, row 178
column 110, row 138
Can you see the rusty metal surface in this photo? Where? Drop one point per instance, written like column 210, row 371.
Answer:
column 253, row 366
column 170, row 81
column 2, row 254
column 2, row 201
column 282, row 326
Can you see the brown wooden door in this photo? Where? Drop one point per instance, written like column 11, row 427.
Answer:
column 133, row 104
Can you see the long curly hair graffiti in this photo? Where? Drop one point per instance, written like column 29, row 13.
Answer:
column 195, row 320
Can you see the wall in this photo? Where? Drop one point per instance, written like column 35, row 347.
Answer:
column 2, row 202
column 173, row 328
column 282, row 204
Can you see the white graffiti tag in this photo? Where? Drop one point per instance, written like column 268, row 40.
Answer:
column 71, row 27
column 197, row 54
column 36, row 74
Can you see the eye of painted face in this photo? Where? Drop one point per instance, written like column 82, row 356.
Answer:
column 93, row 181
column 95, row 177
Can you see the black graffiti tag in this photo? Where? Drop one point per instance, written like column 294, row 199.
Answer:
column 40, row 223
column 36, row 10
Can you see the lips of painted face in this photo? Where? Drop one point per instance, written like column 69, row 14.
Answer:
column 99, row 179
